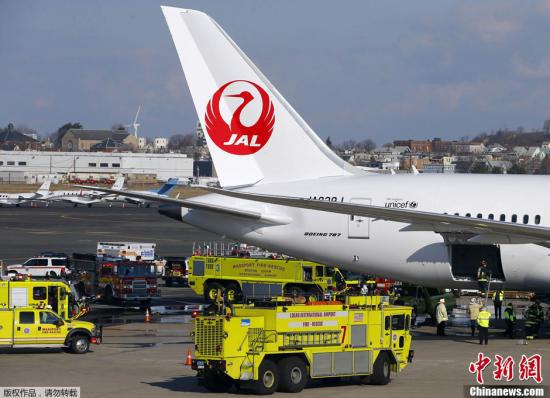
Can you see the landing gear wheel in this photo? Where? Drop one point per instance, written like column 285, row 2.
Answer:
column 215, row 382
column 211, row 291
column 268, row 378
column 233, row 293
column 382, row 370
column 293, row 373
column 80, row 344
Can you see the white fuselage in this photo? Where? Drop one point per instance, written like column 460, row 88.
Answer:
column 379, row 247
column 16, row 198
column 75, row 196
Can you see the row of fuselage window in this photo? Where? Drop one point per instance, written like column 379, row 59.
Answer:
column 502, row 217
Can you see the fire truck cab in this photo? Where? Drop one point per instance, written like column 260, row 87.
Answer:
column 59, row 295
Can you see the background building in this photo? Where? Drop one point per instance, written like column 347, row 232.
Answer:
column 160, row 144
column 93, row 165
column 83, row 140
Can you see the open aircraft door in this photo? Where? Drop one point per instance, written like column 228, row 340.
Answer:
column 359, row 227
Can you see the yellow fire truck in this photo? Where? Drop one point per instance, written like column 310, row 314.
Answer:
column 59, row 295
column 277, row 345
column 241, row 277
column 28, row 327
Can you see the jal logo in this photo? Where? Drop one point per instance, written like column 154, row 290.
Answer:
column 245, row 122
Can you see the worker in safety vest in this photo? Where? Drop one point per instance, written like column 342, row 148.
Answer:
column 483, row 276
column 483, row 325
column 534, row 317
column 498, row 298
column 510, row 319
column 441, row 317
column 473, row 311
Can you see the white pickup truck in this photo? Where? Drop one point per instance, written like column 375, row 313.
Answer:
column 41, row 266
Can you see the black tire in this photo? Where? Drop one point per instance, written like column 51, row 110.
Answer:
column 80, row 344
column 148, row 205
column 211, row 291
column 381, row 374
column 217, row 382
column 169, row 282
column 293, row 374
column 294, row 291
column 53, row 274
column 268, row 378
column 233, row 293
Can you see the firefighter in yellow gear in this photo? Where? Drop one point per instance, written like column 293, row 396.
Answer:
column 483, row 319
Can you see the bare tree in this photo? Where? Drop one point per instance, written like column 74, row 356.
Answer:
column 181, row 141
column 366, row 145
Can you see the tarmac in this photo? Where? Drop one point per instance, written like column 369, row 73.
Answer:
column 138, row 359
column 26, row 231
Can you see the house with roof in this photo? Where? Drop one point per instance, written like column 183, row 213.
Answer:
column 15, row 141
column 84, row 140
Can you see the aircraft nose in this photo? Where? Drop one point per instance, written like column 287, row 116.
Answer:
column 172, row 211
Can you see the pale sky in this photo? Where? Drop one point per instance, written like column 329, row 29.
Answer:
column 360, row 69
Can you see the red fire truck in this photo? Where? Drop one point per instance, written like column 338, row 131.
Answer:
column 115, row 279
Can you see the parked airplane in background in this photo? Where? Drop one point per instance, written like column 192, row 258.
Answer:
column 163, row 191
column 84, row 197
column 286, row 191
column 16, row 199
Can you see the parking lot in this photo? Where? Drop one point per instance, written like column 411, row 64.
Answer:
column 138, row 359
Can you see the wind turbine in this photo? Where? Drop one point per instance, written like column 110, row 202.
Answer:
column 135, row 125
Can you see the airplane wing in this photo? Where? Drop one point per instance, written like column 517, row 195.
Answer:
column 191, row 204
column 483, row 231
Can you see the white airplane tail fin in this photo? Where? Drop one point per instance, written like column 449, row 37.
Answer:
column 119, row 183
column 44, row 188
column 253, row 134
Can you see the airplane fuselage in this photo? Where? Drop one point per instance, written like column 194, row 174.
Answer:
column 380, row 247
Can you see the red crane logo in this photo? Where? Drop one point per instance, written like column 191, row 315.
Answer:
column 235, row 137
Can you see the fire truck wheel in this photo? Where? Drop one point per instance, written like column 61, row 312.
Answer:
column 294, row 375
column 211, row 291
column 382, row 370
column 215, row 382
column 80, row 344
column 233, row 292
column 268, row 378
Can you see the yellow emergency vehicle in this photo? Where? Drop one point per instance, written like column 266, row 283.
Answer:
column 28, row 327
column 277, row 345
column 59, row 295
column 241, row 277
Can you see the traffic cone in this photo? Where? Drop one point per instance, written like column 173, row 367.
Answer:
column 189, row 360
column 147, row 315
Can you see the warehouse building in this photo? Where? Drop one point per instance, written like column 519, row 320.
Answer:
column 93, row 165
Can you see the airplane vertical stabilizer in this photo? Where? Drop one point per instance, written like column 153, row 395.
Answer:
column 119, row 183
column 44, row 188
column 253, row 134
